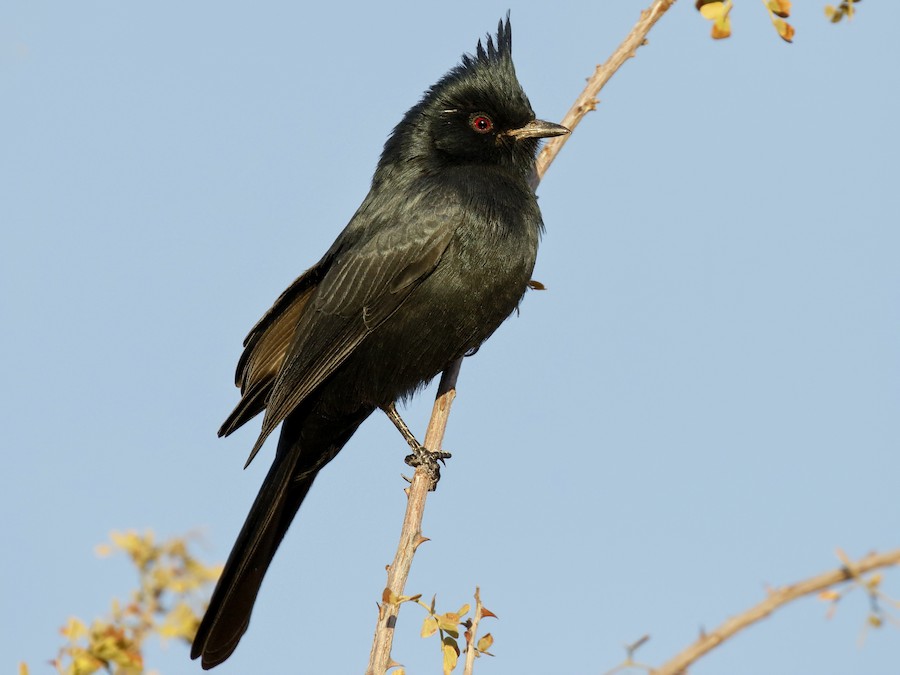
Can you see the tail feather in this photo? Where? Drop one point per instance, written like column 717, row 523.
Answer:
column 283, row 490
column 228, row 614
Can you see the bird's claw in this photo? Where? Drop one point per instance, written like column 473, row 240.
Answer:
column 429, row 461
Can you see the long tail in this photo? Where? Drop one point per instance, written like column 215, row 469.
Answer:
column 292, row 474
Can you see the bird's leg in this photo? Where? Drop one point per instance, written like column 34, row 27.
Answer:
column 421, row 456
column 394, row 416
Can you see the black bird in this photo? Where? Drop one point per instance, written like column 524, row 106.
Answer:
column 437, row 256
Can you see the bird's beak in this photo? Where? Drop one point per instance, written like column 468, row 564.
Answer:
column 537, row 129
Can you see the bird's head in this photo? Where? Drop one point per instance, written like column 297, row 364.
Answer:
column 476, row 114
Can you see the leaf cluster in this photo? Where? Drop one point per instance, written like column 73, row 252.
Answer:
column 719, row 13
column 448, row 626
column 172, row 588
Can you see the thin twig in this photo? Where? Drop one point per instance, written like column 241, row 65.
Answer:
column 411, row 535
column 587, row 100
column 776, row 598
column 472, row 634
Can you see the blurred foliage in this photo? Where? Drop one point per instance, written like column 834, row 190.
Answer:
column 779, row 10
column 845, row 9
column 719, row 13
column 171, row 595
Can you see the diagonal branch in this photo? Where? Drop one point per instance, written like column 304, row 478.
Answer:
column 776, row 599
column 587, row 99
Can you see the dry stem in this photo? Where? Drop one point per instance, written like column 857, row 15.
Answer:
column 472, row 634
column 776, row 598
column 587, row 100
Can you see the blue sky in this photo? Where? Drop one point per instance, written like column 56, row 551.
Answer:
column 704, row 401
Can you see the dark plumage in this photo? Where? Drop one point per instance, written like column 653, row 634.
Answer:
column 437, row 256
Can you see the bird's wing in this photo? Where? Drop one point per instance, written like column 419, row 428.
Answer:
column 266, row 345
column 363, row 286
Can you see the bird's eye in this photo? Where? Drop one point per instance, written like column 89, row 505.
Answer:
column 481, row 123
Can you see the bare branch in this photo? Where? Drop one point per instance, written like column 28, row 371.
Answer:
column 776, row 598
column 587, row 100
column 472, row 634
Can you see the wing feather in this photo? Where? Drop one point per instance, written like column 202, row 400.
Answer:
column 362, row 287
column 266, row 346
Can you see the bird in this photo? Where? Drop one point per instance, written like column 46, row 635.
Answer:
column 437, row 256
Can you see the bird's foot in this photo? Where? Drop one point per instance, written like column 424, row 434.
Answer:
column 429, row 461
column 421, row 456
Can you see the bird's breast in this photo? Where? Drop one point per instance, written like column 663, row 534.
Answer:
column 477, row 283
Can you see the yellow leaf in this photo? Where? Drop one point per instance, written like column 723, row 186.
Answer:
column 451, row 655
column 712, row 10
column 875, row 621
column 448, row 620
column 720, row 31
column 23, row 669
column 449, row 623
column 780, row 8
column 140, row 548
column 785, row 30
column 829, row 11
column 180, row 622
column 399, row 671
column 106, row 642
column 74, row 629
column 485, row 643
column 873, row 582
column 131, row 660
column 429, row 626
column 828, row 595
column 463, row 611
column 718, row 13
column 83, row 663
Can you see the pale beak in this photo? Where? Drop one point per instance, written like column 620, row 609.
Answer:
column 537, row 129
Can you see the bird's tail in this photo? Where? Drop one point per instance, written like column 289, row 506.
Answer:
column 282, row 492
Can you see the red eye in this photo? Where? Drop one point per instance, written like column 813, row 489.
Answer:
column 481, row 123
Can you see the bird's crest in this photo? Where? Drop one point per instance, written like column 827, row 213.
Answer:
column 483, row 82
column 497, row 51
